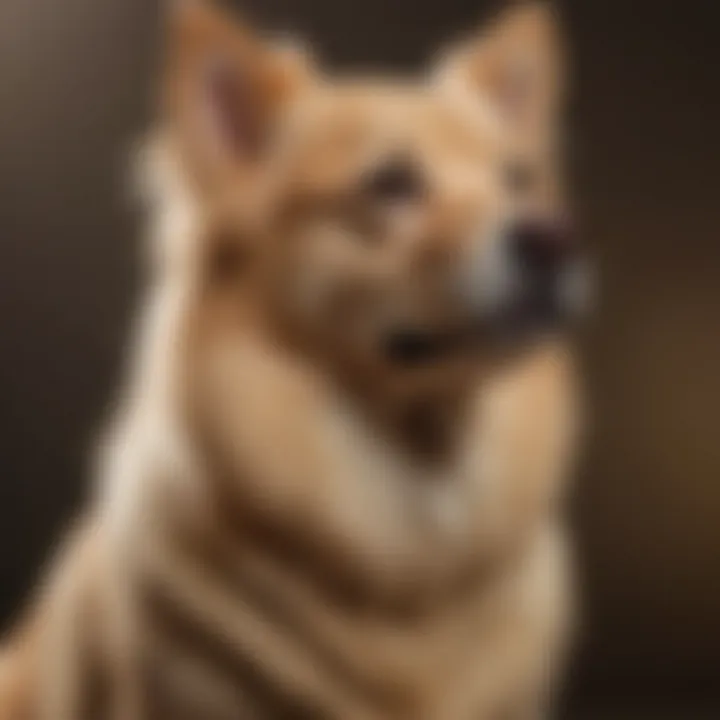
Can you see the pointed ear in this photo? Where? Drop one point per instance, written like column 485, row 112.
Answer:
column 223, row 91
column 517, row 63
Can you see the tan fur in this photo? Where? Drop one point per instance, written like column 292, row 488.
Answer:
column 286, row 524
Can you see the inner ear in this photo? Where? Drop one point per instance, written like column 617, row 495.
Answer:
column 231, row 103
column 225, row 89
column 517, row 64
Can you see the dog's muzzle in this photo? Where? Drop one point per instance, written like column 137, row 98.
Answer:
column 530, row 278
column 525, row 282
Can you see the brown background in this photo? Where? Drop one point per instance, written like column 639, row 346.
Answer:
column 75, row 89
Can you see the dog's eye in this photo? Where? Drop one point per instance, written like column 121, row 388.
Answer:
column 520, row 178
column 396, row 180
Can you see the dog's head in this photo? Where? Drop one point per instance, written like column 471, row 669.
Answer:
column 395, row 230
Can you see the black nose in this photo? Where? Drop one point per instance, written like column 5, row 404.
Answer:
column 541, row 247
column 544, row 261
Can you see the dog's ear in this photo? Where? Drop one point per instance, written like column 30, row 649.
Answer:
column 224, row 89
column 517, row 63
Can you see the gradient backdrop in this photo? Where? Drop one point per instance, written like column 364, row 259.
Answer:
column 76, row 83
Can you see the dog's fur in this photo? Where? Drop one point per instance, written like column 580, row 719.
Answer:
column 288, row 524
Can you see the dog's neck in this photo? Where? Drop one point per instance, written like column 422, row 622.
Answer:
column 423, row 421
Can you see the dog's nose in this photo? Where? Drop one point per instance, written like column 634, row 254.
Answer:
column 545, row 259
column 551, row 276
column 528, row 276
column 531, row 276
column 541, row 247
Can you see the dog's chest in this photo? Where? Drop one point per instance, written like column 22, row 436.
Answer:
column 401, row 527
column 305, row 457
column 267, row 639
column 434, row 516
column 400, row 500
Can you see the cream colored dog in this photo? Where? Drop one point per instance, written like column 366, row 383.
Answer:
column 333, row 487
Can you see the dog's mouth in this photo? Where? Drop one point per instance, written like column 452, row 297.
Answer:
column 537, row 308
column 416, row 347
column 513, row 330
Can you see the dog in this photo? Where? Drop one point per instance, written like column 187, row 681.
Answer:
column 333, row 487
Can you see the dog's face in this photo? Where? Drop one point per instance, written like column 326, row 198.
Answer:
column 397, row 230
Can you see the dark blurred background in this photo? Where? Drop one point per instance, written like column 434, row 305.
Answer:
column 76, row 88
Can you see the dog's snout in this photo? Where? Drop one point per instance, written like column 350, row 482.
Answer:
column 529, row 275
